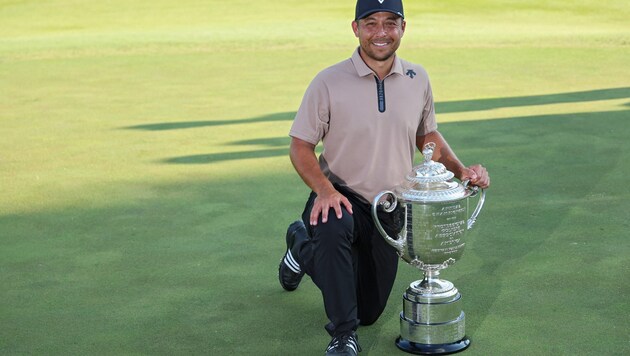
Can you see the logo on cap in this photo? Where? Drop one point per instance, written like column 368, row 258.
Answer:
column 381, row 1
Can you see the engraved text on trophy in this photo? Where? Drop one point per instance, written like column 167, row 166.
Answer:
column 440, row 231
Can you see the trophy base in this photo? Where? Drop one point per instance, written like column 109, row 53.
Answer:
column 432, row 349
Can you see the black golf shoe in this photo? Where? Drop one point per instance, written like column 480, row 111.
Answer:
column 289, row 272
column 346, row 344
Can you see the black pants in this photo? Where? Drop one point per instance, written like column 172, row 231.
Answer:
column 351, row 263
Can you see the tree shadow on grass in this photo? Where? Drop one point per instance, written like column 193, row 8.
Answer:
column 278, row 146
column 283, row 116
column 530, row 100
column 227, row 156
column 441, row 107
column 283, row 142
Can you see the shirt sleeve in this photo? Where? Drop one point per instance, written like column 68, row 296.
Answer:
column 428, row 123
column 313, row 117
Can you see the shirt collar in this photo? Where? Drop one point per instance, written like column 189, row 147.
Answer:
column 363, row 69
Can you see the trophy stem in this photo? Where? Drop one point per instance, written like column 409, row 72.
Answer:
column 431, row 284
column 430, row 278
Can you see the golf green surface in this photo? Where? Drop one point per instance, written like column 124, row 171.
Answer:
column 145, row 187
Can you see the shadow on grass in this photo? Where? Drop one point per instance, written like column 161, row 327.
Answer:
column 278, row 146
column 192, row 267
column 441, row 107
column 228, row 156
column 284, row 116
column 283, row 142
column 530, row 100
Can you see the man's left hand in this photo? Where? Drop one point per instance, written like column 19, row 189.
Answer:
column 477, row 174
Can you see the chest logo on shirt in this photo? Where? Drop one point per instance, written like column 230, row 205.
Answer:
column 410, row 73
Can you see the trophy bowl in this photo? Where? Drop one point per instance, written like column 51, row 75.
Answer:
column 436, row 212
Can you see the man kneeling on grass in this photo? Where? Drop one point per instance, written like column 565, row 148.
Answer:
column 371, row 112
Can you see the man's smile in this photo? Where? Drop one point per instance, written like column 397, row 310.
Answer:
column 381, row 43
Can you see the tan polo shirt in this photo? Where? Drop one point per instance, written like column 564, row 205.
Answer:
column 368, row 127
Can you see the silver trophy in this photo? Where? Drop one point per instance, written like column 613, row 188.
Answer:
column 436, row 214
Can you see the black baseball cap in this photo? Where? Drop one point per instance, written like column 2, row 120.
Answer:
column 368, row 7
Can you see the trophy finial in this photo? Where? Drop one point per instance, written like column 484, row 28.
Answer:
column 427, row 151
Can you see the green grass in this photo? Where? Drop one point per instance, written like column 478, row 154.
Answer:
column 145, row 185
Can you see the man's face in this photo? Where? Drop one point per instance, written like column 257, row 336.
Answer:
column 379, row 34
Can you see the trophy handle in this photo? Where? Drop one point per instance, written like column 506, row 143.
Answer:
column 388, row 208
column 482, row 199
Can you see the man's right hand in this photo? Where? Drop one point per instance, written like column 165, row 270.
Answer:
column 331, row 199
column 302, row 155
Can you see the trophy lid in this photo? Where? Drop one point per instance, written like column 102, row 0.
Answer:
column 431, row 181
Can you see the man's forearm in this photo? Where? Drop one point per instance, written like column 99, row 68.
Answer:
column 303, row 157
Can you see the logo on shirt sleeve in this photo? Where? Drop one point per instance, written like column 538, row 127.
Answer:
column 410, row 73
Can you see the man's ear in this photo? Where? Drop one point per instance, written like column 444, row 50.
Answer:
column 355, row 28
